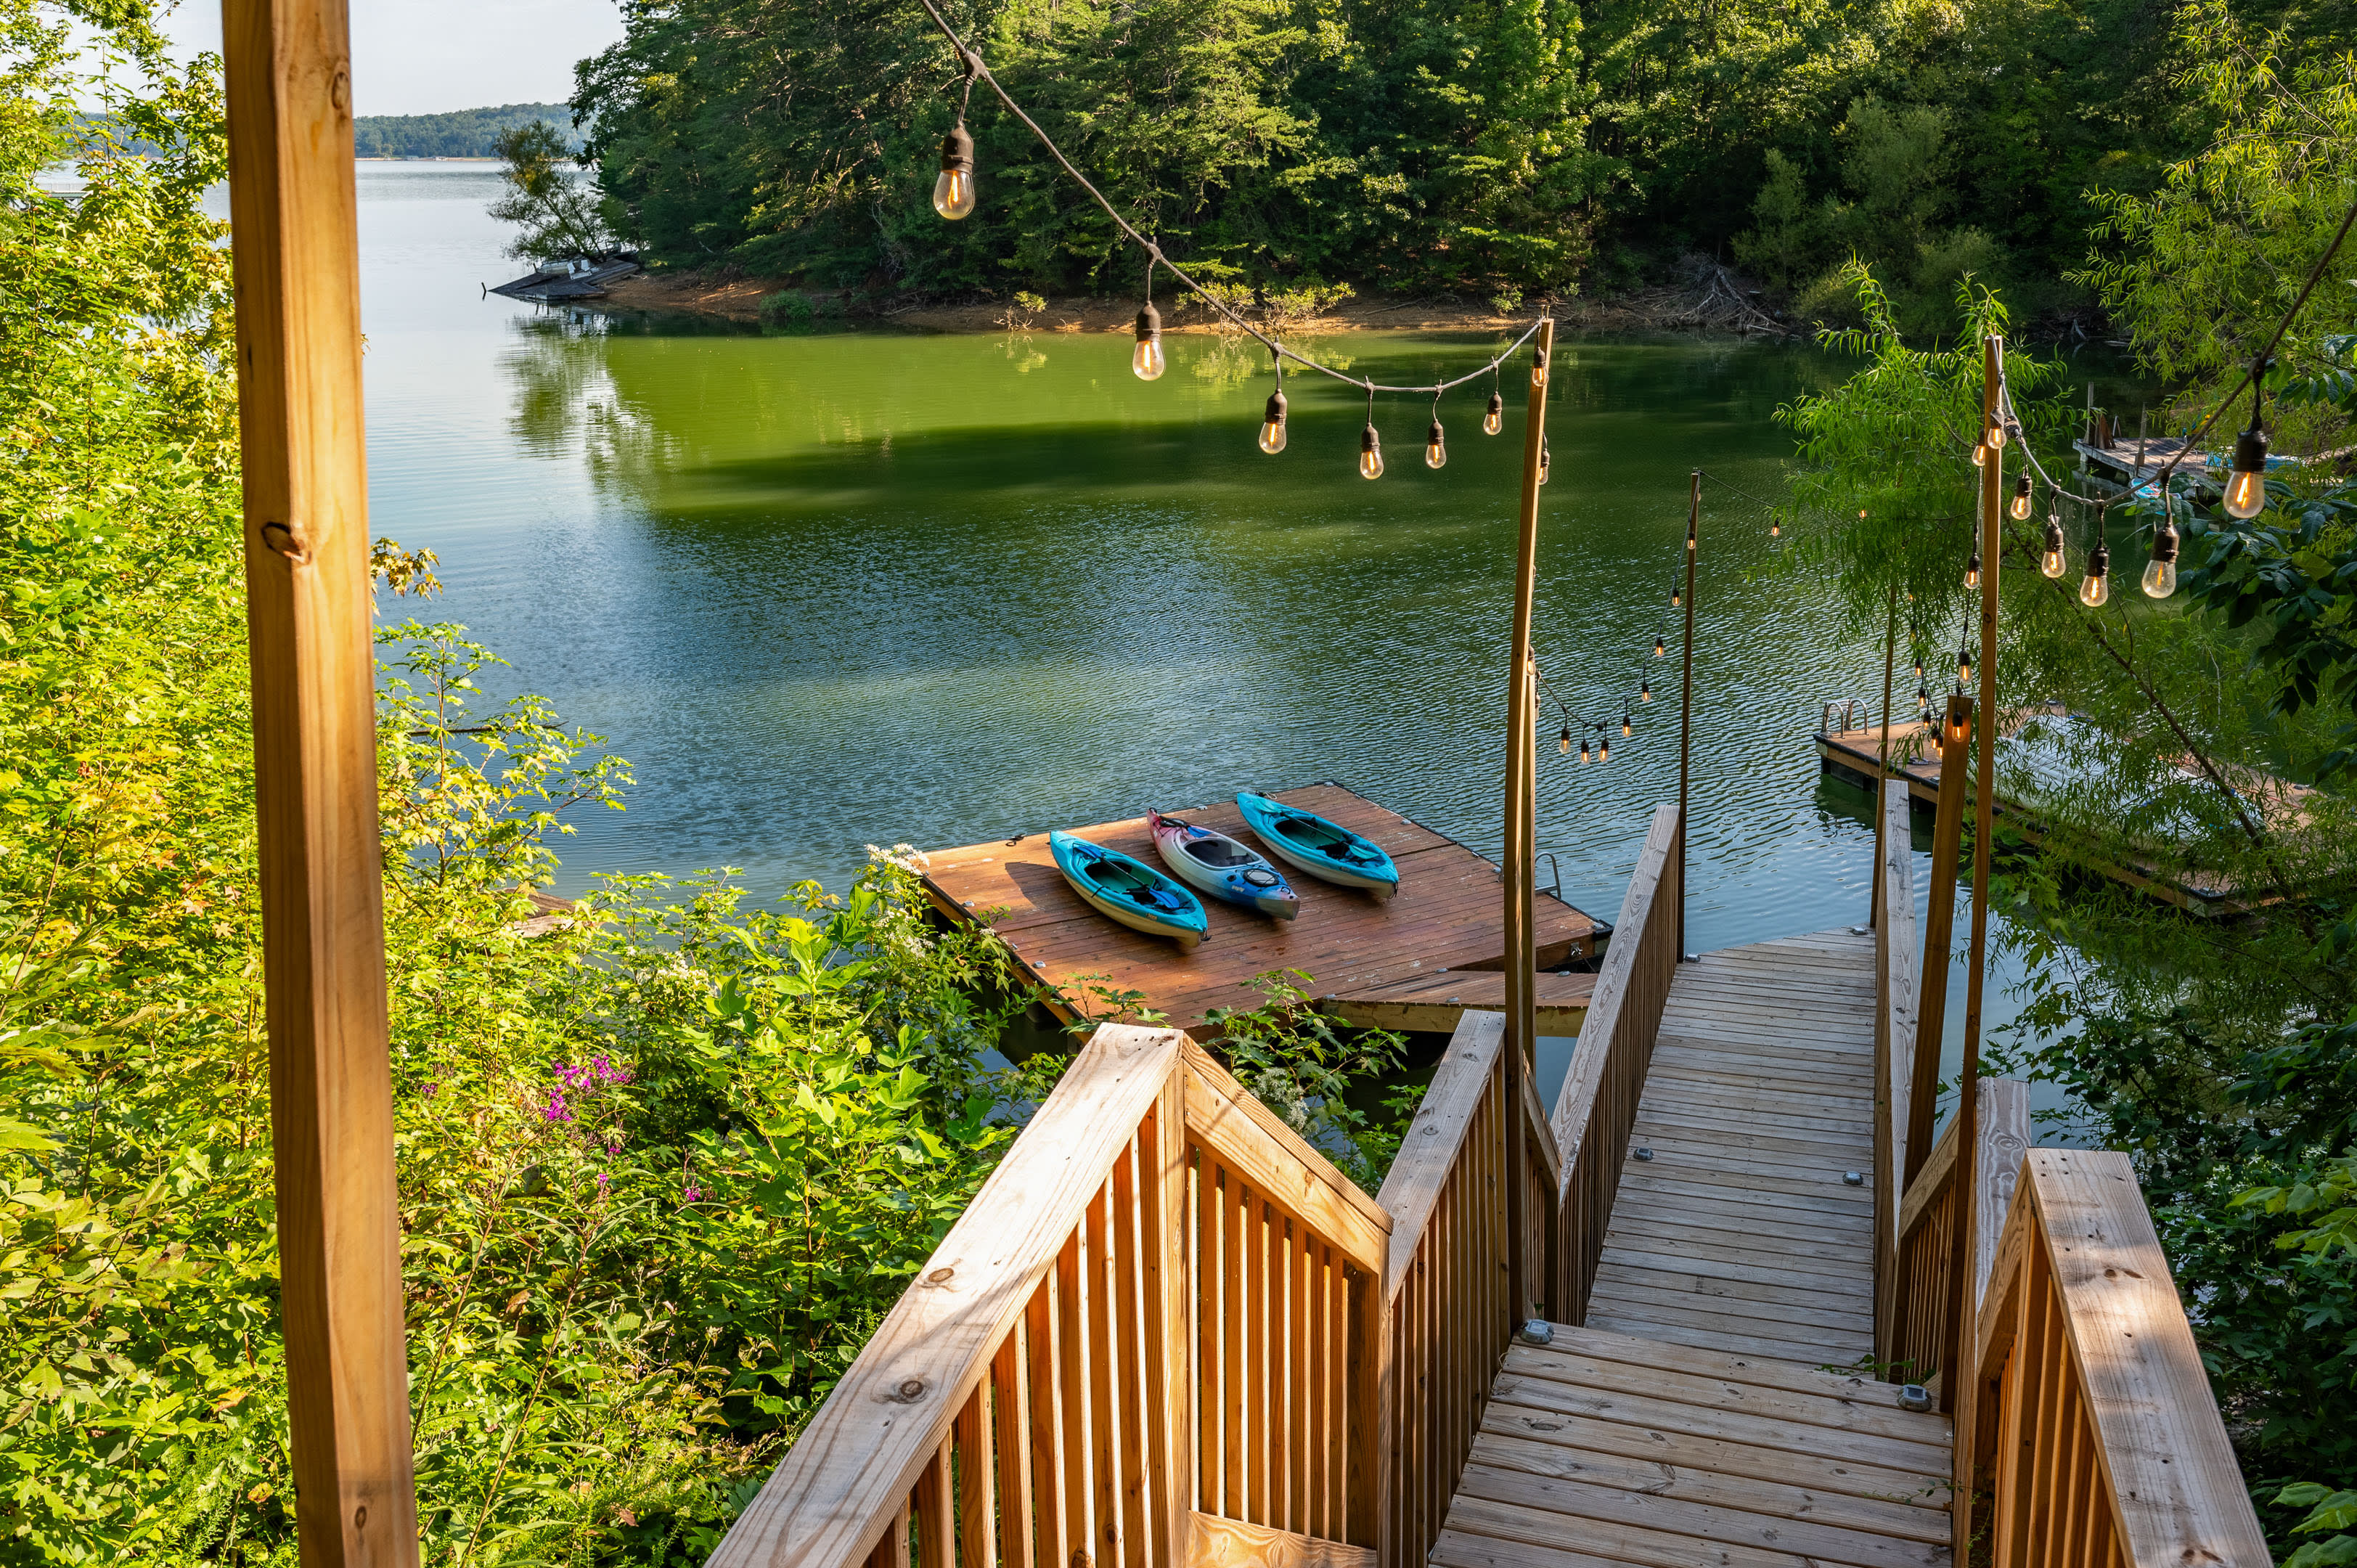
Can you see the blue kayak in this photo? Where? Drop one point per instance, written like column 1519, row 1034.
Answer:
column 1327, row 851
column 1129, row 891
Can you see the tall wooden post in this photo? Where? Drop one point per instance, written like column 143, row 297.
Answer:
column 1685, row 699
column 295, row 252
column 1956, row 1387
column 1521, row 809
column 1882, row 775
column 1939, row 933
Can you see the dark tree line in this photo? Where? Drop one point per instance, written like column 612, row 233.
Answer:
column 1521, row 146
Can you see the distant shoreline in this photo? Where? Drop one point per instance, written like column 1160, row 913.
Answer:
column 740, row 299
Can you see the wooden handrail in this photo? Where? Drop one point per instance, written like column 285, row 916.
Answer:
column 1597, row 1105
column 1154, row 1338
column 1896, row 960
column 2091, row 1424
column 1450, row 1285
column 1922, row 1292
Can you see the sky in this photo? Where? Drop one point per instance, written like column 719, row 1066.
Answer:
column 426, row 57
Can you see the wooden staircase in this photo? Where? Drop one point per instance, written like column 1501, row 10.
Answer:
column 1167, row 1333
column 1698, row 1417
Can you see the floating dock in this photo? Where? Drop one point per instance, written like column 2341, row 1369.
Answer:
column 1855, row 755
column 1416, row 961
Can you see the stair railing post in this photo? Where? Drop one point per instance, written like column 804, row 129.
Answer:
column 1889, row 667
column 1686, row 701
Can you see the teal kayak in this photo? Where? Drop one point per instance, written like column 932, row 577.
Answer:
column 1308, row 842
column 1129, row 891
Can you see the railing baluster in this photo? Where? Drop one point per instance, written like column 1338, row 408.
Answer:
column 1009, row 1405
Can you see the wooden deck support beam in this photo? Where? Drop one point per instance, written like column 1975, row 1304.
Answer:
column 296, row 251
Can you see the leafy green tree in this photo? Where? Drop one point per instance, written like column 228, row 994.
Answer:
column 556, row 210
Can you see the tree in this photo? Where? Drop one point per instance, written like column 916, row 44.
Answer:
column 558, row 211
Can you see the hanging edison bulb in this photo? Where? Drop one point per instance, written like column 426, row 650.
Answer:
column 1963, row 664
column 1661, row 648
column 2246, row 491
column 2019, row 510
column 2096, row 586
column 2049, row 559
column 1677, row 595
column 1775, row 528
column 1973, row 570
column 1918, row 669
column 1994, row 438
column 1603, row 748
column 1960, row 728
column 1645, row 690
column 1493, row 419
column 953, row 190
column 2160, row 571
column 1565, row 747
column 1146, row 360
column 1272, row 425
column 1583, row 748
column 1980, row 454
column 1624, row 721
column 1371, row 453
column 1436, row 449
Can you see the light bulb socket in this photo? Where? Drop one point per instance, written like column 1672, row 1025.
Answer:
column 2164, row 542
column 1149, row 323
column 2021, row 486
column 1433, row 437
column 2099, row 562
column 2053, row 535
column 1497, row 405
column 1276, row 414
column 2250, row 451
column 1367, row 438
column 957, row 150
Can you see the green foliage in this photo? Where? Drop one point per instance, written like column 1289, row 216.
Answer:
column 461, row 134
column 661, row 1166
column 1309, row 1069
column 2201, row 270
column 557, row 211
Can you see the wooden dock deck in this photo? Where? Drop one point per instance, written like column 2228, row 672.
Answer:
column 1417, row 960
column 1855, row 755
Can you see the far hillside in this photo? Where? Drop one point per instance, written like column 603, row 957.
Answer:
column 461, row 134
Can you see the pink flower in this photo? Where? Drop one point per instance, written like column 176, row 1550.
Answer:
column 694, row 1194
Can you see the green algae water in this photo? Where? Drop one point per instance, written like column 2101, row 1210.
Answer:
column 869, row 588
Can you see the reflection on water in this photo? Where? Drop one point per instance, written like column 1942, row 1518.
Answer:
column 855, row 588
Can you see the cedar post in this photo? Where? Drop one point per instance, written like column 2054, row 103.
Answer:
column 1522, row 811
column 1882, row 775
column 294, row 249
column 1686, row 703
column 1958, row 1383
column 1939, row 935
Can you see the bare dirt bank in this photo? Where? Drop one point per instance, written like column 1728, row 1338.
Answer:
column 1710, row 298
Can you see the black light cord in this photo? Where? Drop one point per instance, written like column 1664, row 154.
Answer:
column 975, row 68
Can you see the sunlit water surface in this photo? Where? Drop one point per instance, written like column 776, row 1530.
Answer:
column 833, row 591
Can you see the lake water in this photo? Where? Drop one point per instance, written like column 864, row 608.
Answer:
column 833, row 591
